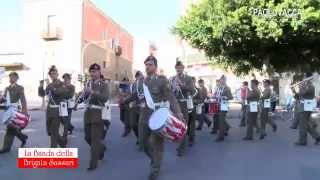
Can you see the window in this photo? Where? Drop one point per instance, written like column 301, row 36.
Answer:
column 112, row 45
column 104, row 35
column 104, row 64
column 51, row 22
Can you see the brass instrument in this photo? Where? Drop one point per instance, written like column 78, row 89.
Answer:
column 301, row 83
column 84, row 97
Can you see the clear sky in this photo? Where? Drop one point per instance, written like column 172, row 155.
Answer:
column 145, row 19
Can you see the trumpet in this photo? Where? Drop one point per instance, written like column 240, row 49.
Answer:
column 303, row 81
column 84, row 96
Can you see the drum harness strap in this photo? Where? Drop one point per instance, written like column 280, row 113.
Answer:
column 149, row 101
column 92, row 106
column 8, row 100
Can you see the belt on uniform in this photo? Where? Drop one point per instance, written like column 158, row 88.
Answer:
column 162, row 104
column 142, row 105
column 53, row 106
column 91, row 106
column 13, row 105
column 182, row 100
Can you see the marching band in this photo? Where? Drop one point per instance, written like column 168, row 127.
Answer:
column 155, row 108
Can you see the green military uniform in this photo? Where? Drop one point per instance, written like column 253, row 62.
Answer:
column 296, row 109
column 223, row 124
column 56, row 92
column 16, row 94
column 197, row 99
column 305, row 125
column 135, row 107
column 264, row 114
column 253, row 95
column 125, row 109
column 185, row 90
column 202, row 117
column 154, row 143
column 93, row 123
column 70, row 91
column 295, row 122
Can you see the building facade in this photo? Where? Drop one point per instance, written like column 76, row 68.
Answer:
column 71, row 35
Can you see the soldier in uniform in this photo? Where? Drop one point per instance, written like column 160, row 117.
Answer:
column 215, row 117
column 204, row 94
column 14, row 93
column 124, row 88
column 223, row 94
column 295, row 122
column 134, row 100
column 244, row 93
column 160, row 92
column 197, row 99
column 96, row 92
column 70, row 92
column 56, row 93
column 266, row 95
column 183, row 88
column 306, row 92
column 253, row 96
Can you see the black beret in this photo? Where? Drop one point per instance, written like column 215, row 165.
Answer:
column 267, row 81
column 66, row 75
column 201, row 81
column 53, row 68
column 153, row 59
column 179, row 63
column 94, row 66
column 138, row 73
column 14, row 74
column 254, row 81
column 308, row 74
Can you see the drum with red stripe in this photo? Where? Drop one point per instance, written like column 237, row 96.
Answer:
column 213, row 106
column 163, row 121
column 20, row 120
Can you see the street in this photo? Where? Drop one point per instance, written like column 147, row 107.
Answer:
column 274, row 158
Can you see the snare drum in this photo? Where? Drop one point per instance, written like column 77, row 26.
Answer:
column 20, row 120
column 163, row 122
column 213, row 107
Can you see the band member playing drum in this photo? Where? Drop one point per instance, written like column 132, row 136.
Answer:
column 224, row 95
column 183, row 88
column 124, row 89
column 265, row 108
column 96, row 93
column 197, row 100
column 12, row 95
column 214, row 108
column 135, row 102
column 160, row 93
column 204, row 95
column 56, row 93
column 252, row 109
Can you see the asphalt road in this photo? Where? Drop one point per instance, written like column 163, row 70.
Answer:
column 274, row 158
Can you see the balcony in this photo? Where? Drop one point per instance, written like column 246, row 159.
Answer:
column 52, row 34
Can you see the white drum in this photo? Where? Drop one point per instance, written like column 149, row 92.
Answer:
column 163, row 121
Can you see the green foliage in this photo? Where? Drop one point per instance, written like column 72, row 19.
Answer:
column 241, row 35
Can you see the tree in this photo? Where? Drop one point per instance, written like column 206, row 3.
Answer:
column 282, row 35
